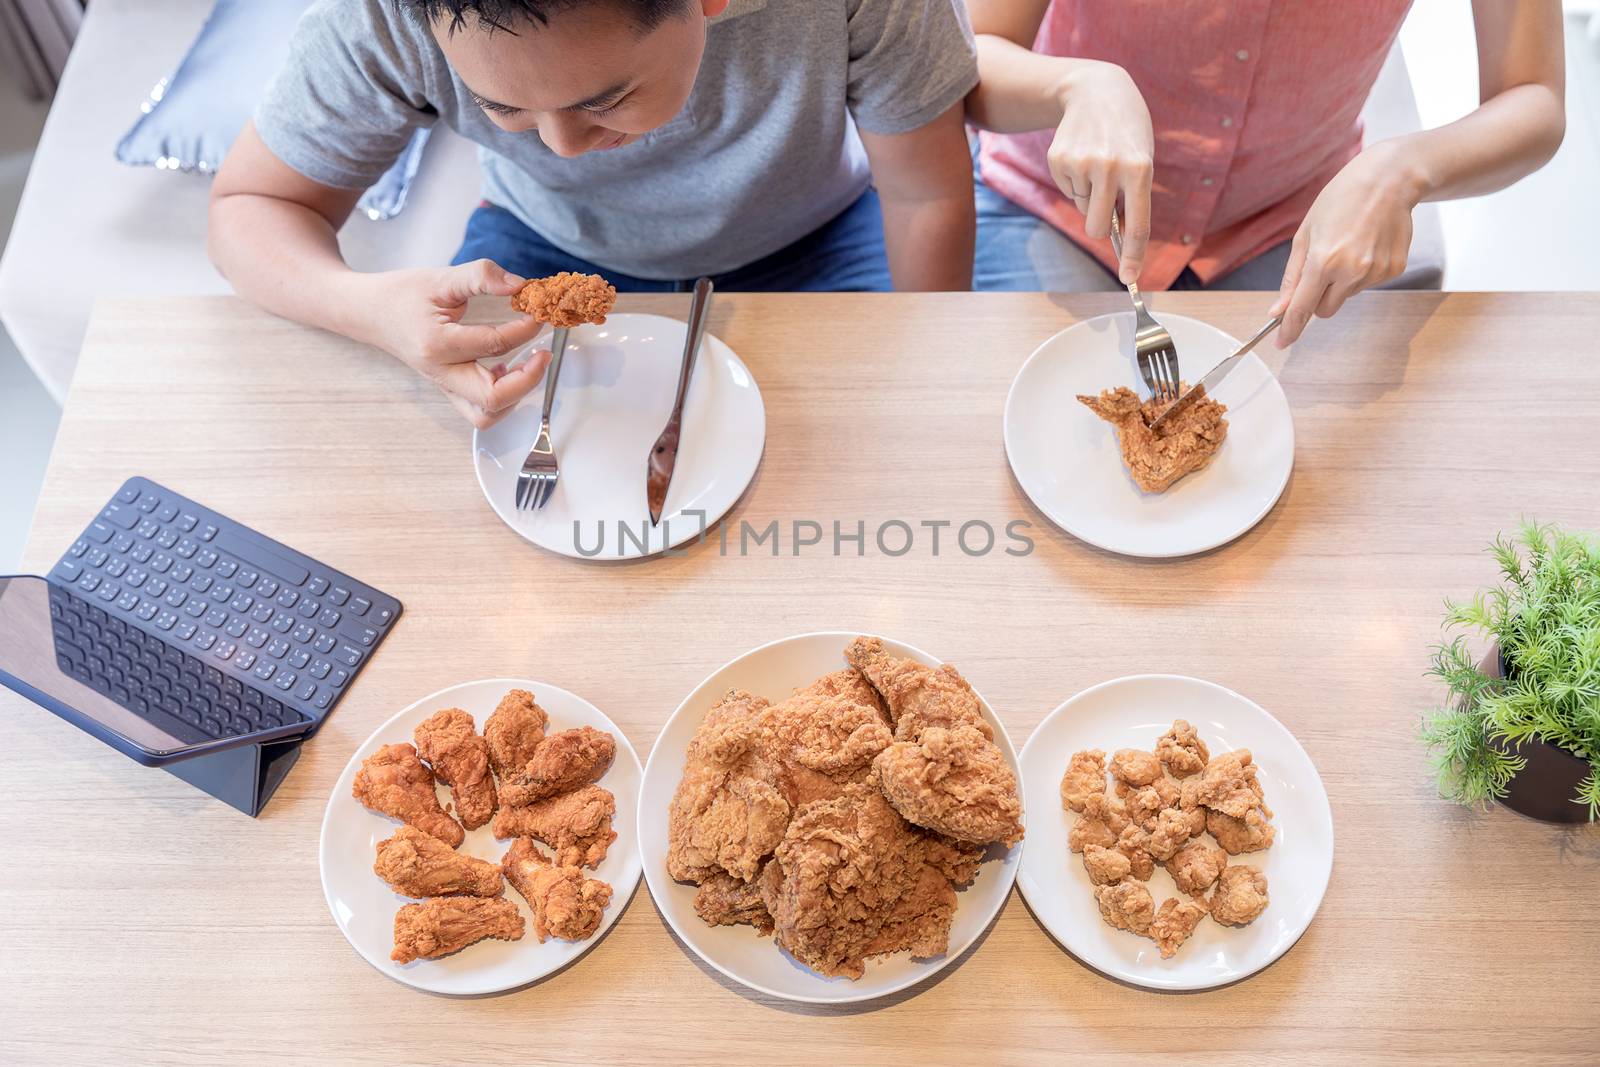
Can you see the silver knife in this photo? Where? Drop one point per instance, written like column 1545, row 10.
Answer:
column 1214, row 376
column 664, row 454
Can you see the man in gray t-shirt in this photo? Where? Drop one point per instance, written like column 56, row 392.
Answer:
column 772, row 144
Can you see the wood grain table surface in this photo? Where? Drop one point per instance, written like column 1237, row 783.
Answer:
column 144, row 921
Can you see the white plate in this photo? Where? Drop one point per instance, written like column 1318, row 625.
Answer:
column 615, row 393
column 364, row 906
column 774, row 671
column 1133, row 713
column 1068, row 461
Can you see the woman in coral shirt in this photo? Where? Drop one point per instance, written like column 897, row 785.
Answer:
column 1231, row 134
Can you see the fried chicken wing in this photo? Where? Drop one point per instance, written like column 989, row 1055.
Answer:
column 917, row 695
column 1240, row 896
column 566, row 299
column 723, row 900
column 443, row 925
column 565, row 902
column 853, row 880
column 416, row 864
column 1085, row 777
column 576, row 825
column 514, row 731
column 1174, row 923
column 955, row 782
column 1181, row 750
column 449, row 741
column 1126, row 905
column 1195, row 866
column 726, row 814
column 393, row 782
column 1184, row 446
column 561, row 763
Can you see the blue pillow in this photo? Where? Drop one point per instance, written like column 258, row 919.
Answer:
column 193, row 116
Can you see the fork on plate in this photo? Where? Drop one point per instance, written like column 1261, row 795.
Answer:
column 536, row 482
column 1157, row 355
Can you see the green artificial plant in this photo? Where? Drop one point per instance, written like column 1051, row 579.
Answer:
column 1545, row 616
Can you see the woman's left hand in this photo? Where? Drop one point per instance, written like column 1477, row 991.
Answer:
column 1356, row 235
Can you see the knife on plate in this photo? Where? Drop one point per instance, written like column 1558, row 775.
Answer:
column 664, row 454
column 1214, row 376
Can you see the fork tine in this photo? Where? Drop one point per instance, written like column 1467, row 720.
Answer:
column 522, row 489
column 547, row 489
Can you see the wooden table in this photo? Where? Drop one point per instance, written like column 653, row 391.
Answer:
column 144, row 920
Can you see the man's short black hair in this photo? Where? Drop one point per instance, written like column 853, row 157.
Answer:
column 492, row 15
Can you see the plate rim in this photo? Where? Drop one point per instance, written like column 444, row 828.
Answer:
column 1009, row 870
column 335, row 794
column 761, row 408
column 1008, row 421
column 1144, row 981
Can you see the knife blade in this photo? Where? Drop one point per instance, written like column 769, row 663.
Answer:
column 664, row 453
column 1214, row 376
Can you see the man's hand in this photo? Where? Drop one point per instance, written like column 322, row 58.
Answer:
column 1103, row 148
column 1356, row 235
column 417, row 319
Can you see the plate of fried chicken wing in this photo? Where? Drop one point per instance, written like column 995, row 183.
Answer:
column 831, row 818
column 1180, row 837
column 483, row 838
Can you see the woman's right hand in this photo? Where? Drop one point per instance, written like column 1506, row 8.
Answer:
column 1104, row 148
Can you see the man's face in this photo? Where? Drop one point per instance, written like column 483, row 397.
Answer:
column 589, row 79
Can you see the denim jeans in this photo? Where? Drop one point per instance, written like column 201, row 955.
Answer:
column 844, row 255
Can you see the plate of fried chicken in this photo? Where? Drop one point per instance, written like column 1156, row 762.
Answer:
column 1181, row 837
column 831, row 818
column 1077, row 435
column 483, row 837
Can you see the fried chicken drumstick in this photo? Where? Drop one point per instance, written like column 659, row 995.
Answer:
column 449, row 741
column 393, row 782
column 443, row 925
column 416, row 864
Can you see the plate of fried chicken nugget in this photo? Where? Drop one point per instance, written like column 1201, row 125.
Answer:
column 1181, row 838
column 831, row 818
column 483, row 837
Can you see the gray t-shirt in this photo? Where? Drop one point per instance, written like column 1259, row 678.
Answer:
column 764, row 152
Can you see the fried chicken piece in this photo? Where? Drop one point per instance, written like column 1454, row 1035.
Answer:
column 1135, row 844
column 566, row 299
column 393, row 782
column 1174, row 923
column 1085, row 777
column 1135, row 767
column 416, row 864
column 723, row 900
column 561, row 763
column 576, row 825
column 1106, row 866
column 1195, row 866
column 1184, row 446
column 726, row 813
column 1126, row 905
column 443, row 925
column 565, row 902
column 514, row 731
column 1228, row 784
column 1249, row 834
column 917, row 696
column 1189, row 804
column 1102, row 820
column 449, row 741
column 953, row 781
column 1145, row 803
column 1170, row 833
column 824, row 736
column 1240, row 896
column 853, row 880
column 1181, row 750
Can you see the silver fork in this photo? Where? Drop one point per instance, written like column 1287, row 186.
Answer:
column 536, row 482
column 1158, row 356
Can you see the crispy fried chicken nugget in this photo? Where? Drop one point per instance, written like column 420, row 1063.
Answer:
column 566, row 299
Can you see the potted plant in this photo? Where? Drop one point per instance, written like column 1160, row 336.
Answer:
column 1522, row 725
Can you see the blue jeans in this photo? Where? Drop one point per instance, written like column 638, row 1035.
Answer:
column 844, row 255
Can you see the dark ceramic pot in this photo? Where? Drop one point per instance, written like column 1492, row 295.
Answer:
column 1544, row 788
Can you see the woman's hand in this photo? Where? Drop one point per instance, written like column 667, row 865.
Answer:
column 1356, row 235
column 1104, row 148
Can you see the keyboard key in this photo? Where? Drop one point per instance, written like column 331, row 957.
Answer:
column 204, row 640
column 195, row 607
column 184, row 630
column 97, row 557
column 339, row 677
column 277, row 648
column 256, row 637
column 166, row 620
column 338, row 596
column 121, row 516
column 324, row 643
column 187, row 548
column 211, row 726
column 360, row 606
column 383, row 616
column 242, row 602
column 263, row 612
column 309, row 609
column 128, row 494
column 68, row 570
column 135, row 577
column 347, row 655
column 128, row 600
column 228, row 568
column 321, row 668
column 98, row 532
column 283, row 623
column 109, row 591
column 140, row 553
column 365, row 636
column 328, row 619
column 288, row 598
column 266, row 587
column 146, row 610
column 317, row 585
column 207, row 532
column 216, row 617
column 265, row 669
column 186, row 522
column 245, row 660
column 299, row 658
column 116, row 567
column 323, row 699
column 147, row 502
column 224, row 649
column 304, row 633
column 121, row 543
column 200, row 583
column 79, row 547
column 205, row 558
column 176, row 598
column 235, row 628
column 285, row 680
column 167, row 538
column 221, row 593
column 147, row 529
column 161, row 563
column 89, row 582
column 155, row 587
column 306, row 691
column 181, row 572
column 166, row 513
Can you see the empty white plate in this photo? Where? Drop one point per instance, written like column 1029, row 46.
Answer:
column 774, row 671
column 618, row 381
column 364, row 906
column 1134, row 712
column 1068, row 461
